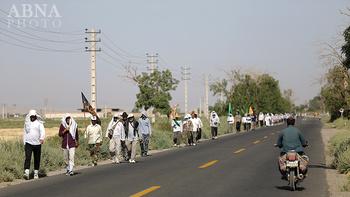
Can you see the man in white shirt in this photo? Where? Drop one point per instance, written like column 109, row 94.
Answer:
column 33, row 138
column 94, row 135
column 177, row 130
column 230, row 122
column 261, row 119
column 116, row 133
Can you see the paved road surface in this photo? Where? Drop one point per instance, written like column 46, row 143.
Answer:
column 234, row 165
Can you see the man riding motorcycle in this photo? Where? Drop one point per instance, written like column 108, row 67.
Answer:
column 291, row 139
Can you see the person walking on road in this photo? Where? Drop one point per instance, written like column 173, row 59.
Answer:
column 230, row 122
column 145, row 129
column 115, row 133
column 261, row 119
column 132, row 138
column 176, row 124
column 94, row 135
column 238, row 121
column 33, row 138
column 187, row 128
column 70, row 141
column 200, row 126
column 109, row 134
column 125, row 153
column 196, row 126
column 214, row 124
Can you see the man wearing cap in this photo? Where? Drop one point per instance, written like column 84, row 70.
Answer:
column 94, row 135
column 70, row 140
column 187, row 127
column 132, row 138
column 145, row 131
column 177, row 130
column 33, row 138
column 117, row 134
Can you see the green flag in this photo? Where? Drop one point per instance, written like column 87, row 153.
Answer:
column 229, row 109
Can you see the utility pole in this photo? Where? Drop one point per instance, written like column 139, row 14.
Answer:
column 3, row 111
column 206, row 99
column 200, row 107
column 185, row 71
column 93, row 49
column 152, row 61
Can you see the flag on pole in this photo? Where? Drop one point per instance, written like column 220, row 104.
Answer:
column 229, row 109
column 251, row 111
column 88, row 108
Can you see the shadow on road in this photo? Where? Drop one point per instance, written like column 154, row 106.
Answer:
column 288, row 188
column 321, row 165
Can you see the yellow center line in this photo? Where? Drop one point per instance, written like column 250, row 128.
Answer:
column 265, row 137
column 240, row 150
column 146, row 191
column 256, row 142
column 210, row 163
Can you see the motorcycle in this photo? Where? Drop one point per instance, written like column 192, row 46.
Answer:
column 294, row 166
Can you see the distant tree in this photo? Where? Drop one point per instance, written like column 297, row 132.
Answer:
column 155, row 90
column 336, row 91
column 346, row 48
column 262, row 92
column 315, row 104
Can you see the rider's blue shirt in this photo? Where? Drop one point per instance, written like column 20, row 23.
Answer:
column 291, row 139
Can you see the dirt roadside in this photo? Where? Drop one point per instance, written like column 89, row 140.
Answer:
column 335, row 180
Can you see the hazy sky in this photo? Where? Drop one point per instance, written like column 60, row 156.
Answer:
column 281, row 37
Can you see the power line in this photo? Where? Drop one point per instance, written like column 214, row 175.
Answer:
column 46, row 40
column 42, row 30
column 127, row 54
column 37, row 46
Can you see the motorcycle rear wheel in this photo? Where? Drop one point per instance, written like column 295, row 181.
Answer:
column 292, row 180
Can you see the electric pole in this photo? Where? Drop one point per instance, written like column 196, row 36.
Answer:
column 200, row 107
column 3, row 111
column 206, row 99
column 152, row 61
column 93, row 49
column 185, row 71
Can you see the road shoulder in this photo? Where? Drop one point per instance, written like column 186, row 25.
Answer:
column 335, row 180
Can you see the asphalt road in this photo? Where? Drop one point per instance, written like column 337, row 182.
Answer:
column 234, row 165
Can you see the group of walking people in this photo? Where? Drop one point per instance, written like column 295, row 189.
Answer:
column 124, row 133
column 253, row 120
column 189, row 130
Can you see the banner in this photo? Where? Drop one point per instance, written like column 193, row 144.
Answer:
column 88, row 108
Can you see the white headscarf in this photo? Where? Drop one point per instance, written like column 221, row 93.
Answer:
column 112, row 122
column 72, row 125
column 27, row 121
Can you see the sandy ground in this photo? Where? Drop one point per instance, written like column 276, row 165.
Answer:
column 12, row 134
column 334, row 179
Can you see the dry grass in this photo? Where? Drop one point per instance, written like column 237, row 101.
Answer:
column 17, row 133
